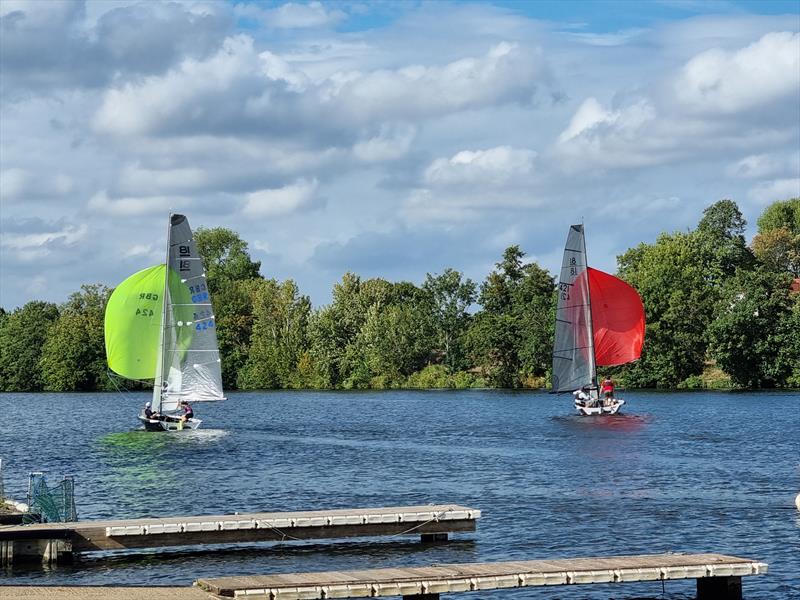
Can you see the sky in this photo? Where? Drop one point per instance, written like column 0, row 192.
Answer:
column 388, row 139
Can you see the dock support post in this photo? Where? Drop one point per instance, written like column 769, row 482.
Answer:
column 6, row 554
column 47, row 552
column 428, row 538
column 719, row 588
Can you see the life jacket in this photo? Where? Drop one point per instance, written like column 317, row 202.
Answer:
column 608, row 385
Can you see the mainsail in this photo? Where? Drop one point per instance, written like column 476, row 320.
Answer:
column 189, row 363
column 599, row 319
column 573, row 350
column 160, row 325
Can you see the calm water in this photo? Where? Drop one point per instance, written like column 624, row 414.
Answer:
column 692, row 472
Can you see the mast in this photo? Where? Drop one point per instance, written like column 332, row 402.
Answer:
column 592, row 361
column 158, row 383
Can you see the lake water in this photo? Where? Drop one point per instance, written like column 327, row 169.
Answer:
column 683, row 472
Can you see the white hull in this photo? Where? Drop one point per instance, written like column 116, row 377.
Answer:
column 587, row 403
column 605, row 408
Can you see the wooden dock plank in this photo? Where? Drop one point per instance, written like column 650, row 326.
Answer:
column 251, row 527
column 39, row 592
column 467, row 577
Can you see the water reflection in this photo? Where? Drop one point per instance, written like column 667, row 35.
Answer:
column 618, row 422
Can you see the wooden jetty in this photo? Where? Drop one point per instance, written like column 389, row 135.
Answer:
column 718, row 577
column 86, row 592
column 52, row 542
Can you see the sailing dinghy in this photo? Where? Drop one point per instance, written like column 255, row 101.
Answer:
column 599, row 323
column 160, row 325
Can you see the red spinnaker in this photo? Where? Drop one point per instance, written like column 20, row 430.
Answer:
column 617, row 319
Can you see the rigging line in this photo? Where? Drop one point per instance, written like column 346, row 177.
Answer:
column 109, row 373
column 436, row 517
column 570, row 349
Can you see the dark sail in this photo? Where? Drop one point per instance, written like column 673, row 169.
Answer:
column 573, row 351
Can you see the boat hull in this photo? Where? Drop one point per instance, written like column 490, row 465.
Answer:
column 602, row 408
column 171, row 424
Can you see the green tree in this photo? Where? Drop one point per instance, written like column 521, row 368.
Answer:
column 73, row 357
column 672, row 277
column 450, row 300
column 788, row 343
column 333, row 328
column 513, row 335
column 395, row 340
column 225, row 257
column 721, row 236
column 22, row 336
column 279, row 338
column 749, row 331
column 777, row 243
column 781, row 214
column 778, row 250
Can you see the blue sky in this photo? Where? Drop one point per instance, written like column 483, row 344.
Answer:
column 385, row 138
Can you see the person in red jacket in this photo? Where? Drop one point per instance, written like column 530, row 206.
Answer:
column 608, row 389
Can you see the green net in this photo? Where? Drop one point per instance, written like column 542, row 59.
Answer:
column 51, row 504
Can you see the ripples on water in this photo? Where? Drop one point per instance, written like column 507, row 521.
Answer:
column 692, row 472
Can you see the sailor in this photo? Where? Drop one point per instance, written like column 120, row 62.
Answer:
column 608, row 389
column 148, row 412
column 188, row 413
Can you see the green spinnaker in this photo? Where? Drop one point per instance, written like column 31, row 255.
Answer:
column 133, row 321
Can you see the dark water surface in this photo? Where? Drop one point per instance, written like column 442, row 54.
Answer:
column 683, row 472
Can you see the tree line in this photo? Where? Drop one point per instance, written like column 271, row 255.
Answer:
column 719, row 312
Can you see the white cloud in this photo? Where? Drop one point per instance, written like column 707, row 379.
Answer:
column 718, row 80
column 239, row 89
column 292, row 15
column 144, row 250
column 152, row 181
column 778, row 189
column 281, row 201
column 28, row 246
column 134, row 206
column 21, row 184
column 498, row 166
column 758, row 166
column 391, row 143
column 614, row 138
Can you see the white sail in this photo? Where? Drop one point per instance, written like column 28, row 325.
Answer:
column 189, row 361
